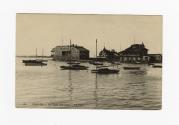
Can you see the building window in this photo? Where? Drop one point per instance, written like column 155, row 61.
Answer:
column 65, row 53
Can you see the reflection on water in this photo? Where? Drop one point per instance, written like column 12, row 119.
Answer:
column 50, row 87
column 95, row 91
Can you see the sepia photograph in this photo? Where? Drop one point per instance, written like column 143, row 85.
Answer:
column 88, row 61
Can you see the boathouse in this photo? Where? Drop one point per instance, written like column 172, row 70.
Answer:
column 108, row 54
column 155, row 58
column 134, row 53
column 62, row 53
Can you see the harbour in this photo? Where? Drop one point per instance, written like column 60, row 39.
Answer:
column 76, row 61
column 51, row 87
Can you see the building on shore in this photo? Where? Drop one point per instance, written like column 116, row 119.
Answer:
column 134, row 53
column 62, row 53
column 108, row 54
column 139, row 53
column 155, row 58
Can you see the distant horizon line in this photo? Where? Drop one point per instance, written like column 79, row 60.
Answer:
column 32, row 56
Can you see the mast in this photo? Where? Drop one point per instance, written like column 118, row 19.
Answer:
column 96, row 48
column 70, row 51
column 62, row 40
column 96, row 51
column 36, row 52
column 42, row 53
column 134, row 40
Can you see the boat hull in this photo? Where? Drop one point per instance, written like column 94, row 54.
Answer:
column 156, row 66
column 34, row 61
column 105, row 71
column 131, row 68
column 35, row 64
column 74, row 67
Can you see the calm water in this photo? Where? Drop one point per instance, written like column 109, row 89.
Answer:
column 50, row 87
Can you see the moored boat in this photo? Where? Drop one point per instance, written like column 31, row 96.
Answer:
column 105, row 71
column 74, row 67
column 157, row 66
column 131, row 68
column 35, row 62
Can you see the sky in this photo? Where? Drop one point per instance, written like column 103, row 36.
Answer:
column 45, row 31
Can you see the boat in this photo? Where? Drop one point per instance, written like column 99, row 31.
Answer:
column 35, row 62
column 73, row 65
column 131, row 68
column 104, row 69
column 157, row 66
column 26, row 61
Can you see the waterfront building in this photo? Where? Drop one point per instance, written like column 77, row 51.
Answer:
column 134, row 53
column 108, row 54
column 62, row 53
column 155, row 58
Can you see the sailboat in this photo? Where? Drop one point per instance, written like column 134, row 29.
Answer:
column 35, row 62
column 96, row 62
column 73, row 66
column 104, row 69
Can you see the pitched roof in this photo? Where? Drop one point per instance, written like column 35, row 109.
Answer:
column 80, row 48
column 136, row 47
column 53, row 50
